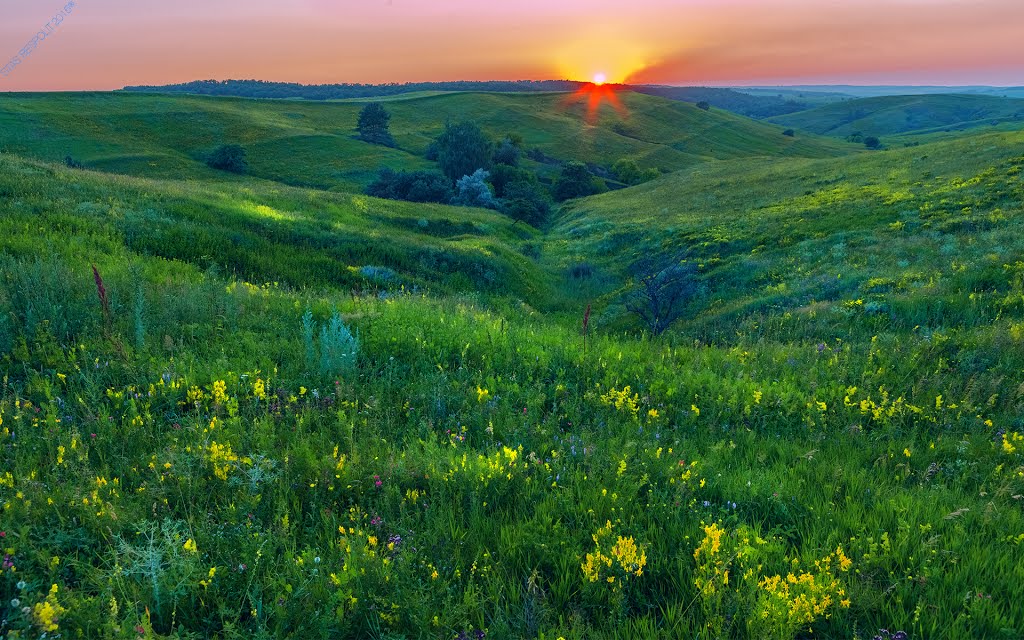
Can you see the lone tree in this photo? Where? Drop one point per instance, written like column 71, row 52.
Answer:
column 373, row 125
column 660, row 292
column 462, row 149
column 473, row 191
column 228, row 157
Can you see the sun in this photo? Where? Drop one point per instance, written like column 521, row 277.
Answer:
column 600, row 78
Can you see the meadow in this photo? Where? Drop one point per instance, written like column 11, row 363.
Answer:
column 265, row 406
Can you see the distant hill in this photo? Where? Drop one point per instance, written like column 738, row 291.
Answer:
column 874, row 91
column 340, row 91
column 313, row 144
column 893, row 115
column 752, row 106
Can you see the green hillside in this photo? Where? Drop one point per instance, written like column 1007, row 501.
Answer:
column 935, row 222
column 893, row 115
column 231, row 408
column 313, row 144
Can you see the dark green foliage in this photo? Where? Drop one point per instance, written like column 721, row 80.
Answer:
column 414, row 186
column 871, row 142
column 575, row 181
column 706, row 106
column 373, row 125
column 527, row 201
column 462, row 149
column 789, row 132
column 508, row 152
column 628, row 172
column 503, row 175
column 228, row 157
column 71, row 163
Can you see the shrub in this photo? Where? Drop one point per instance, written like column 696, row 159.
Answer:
column 704, row 105
column 528, row 202
column 228, row 157
column 575, row 181
column 414, row 186
column 789, row 132
column 507, row 153
column 473, row 191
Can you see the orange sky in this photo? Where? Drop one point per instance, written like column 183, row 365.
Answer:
column 106, row 44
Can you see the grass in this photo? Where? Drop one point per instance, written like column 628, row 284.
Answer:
column 895, row 115
column 841, row 403
column 312, row 144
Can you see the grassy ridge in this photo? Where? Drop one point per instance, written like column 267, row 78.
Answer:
column 313, row 144
column 274, row 234
column 894, row 115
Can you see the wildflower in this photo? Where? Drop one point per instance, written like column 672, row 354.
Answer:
column 906, row 452
column 46, row 614
column 482, row 394
column 190, row 546
column 259, row 389
column 695, row 410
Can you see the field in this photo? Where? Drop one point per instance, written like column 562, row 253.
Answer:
column 907, row 115
column 266, row 406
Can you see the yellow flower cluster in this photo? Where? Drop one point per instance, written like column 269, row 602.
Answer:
column 788, row 604
column 220, row 392
column 1011, row 441
column 624, row 400
column 46, row 614
column 259, row 389
column 624, row 559
column 222, row 458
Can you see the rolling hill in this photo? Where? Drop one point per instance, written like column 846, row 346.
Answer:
column 234, row 408
column 313, row 144
column 895, row 115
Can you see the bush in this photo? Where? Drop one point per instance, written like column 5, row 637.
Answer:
column 627, row 171
column 462, row 149
column 72, row 163
column 871, row 142
column 414, row 186
column 507, row 153
column 704, row 105
column 228, row 157
column 527, row 201
column 789, row 132
column 575, row 181
column 473, row 191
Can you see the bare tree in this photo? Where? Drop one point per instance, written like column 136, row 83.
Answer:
column 660, row 291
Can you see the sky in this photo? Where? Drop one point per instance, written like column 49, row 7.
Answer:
column 107, row 44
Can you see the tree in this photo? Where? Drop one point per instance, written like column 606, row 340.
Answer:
column 414, row 186
column 575, row 181
column 627, row 171
column 871, row 142
column 526, row 201
column 462, row 149
column 507, row 152
column 660, row 292
column 789, row 132
column 706, row 106
column 228, row 157
column 473, row 191
column 373, row 125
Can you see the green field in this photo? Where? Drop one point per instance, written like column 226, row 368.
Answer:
column 267, row 406
column 313, row 145
column 902, row 115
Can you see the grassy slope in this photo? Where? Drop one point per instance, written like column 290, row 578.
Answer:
column 264, row 232
column 777, row 235
column 312, row 144
column 892, row 115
